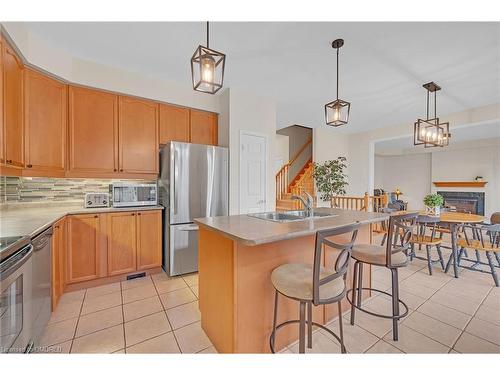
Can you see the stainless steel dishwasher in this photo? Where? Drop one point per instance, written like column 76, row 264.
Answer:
column 42, row 284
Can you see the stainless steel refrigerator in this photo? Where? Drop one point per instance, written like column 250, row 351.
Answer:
column 193, row 183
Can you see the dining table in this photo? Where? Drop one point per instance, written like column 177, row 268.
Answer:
column 453, row 220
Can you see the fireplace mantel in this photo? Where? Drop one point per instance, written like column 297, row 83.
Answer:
column 478, row 184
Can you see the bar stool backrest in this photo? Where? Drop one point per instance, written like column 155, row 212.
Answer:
column 495, row 218
column 342, row 261
column 400, row 231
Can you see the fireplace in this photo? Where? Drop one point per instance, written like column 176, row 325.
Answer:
column 472, row 202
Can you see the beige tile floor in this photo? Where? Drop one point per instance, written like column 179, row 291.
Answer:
column 159, row 314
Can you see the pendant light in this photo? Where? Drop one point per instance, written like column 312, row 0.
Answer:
column 430, row 132
column 337, row 112
column 207, row 68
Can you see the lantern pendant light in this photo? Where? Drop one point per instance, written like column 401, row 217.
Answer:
column 430, row 132
column 207, row 68
column 337, row 112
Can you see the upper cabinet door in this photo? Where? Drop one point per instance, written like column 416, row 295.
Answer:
column 203, row 128
column 13, row 71
column 174, row 124
column 93, row 131
column 138, row 132
column 45, row 123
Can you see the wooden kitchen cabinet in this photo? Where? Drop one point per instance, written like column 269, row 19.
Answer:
column 93, row 133
column 203, row 128
column 174, row 124
column 58, row 260
column 138, row 135
column 13, row 99
column 45, row 125
column 149, row 232
column 84, row 251
column 122, row 242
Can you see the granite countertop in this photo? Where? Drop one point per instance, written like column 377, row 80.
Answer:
column 254, row 231
column 26, row 219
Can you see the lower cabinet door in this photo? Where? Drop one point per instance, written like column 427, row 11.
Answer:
column 122, row 242
column 148, row 239
column 84, row 249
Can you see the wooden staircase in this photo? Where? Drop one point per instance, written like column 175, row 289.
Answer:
column 303, row 182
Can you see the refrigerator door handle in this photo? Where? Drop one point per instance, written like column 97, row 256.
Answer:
column 174, row 180
column 190, row 228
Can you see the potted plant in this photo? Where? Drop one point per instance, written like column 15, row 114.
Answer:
column 330, row 178
column 433, row 203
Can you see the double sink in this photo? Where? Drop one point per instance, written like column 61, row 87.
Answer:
column 289, row 216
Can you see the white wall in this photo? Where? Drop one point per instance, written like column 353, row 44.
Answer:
column 465, row 165
column 329, row 144
column 414, row 174
column 257, row 114
column 361, row 146
column 281, row 151
column 410, row 173
column 51, row 58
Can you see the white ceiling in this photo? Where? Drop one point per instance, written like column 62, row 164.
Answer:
column 383, row 65
column 462, row 137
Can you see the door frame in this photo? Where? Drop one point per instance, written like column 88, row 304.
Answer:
column 266, row 140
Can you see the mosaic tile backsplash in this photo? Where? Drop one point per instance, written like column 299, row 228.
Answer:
column 41, row 189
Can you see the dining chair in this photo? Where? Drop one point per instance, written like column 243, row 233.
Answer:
column 427, row 235
column 481, row 238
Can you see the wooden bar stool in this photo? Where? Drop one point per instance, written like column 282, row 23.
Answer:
column 392, row 256
column 428, row 236
column 314, row 284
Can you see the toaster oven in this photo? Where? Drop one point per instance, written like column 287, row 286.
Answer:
column 130, row 195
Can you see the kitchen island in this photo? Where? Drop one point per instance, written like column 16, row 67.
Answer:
column 236, row 257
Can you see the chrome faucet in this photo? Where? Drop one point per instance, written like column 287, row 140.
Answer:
column 307, row 202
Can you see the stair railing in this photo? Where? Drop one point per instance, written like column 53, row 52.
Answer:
column 283, row 178
column 365, row 203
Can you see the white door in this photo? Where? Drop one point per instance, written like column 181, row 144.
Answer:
column 253, row 164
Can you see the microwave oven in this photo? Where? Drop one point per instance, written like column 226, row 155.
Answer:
column 130, row 195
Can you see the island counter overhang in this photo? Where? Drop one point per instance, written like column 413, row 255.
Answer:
column 236, row 257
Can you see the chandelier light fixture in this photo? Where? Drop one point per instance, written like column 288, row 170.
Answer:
column 430, row 132
column 337, row 112
column 207, row 68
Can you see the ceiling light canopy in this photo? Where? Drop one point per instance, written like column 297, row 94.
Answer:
column 207, row 68
column 430, row 132
column 337, row 112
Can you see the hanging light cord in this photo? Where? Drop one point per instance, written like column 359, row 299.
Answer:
column 207, row 35
column 338, row 73
column 435, row 103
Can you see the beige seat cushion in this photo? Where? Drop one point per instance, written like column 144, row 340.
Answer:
column 295, row 280
column 373, row 254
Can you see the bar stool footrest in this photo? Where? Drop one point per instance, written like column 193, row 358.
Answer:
column 296, row 321
column 348, row 297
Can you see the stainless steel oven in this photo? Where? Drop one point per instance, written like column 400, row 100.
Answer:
column 130, row 195
column 15, row 295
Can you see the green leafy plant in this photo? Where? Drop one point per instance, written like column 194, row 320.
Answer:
column 433, row 200
column 330, row 178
